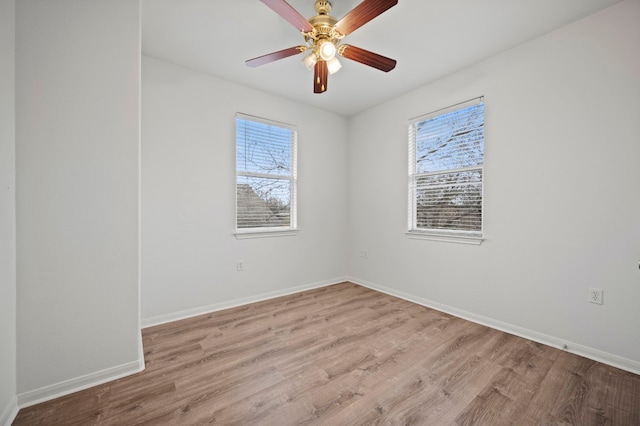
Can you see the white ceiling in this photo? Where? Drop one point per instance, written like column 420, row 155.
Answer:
column 428, row 38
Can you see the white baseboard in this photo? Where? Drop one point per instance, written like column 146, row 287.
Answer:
column 200, row 310
column 584, row 351
column 9, row 413
column 56, row 390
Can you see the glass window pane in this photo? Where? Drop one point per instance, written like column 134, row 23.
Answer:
column 263, row 202
column 263, row 148
column 449, row 201
column 451, row 141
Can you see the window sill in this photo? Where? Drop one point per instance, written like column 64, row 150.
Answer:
column 265, row 233
column 446, row 237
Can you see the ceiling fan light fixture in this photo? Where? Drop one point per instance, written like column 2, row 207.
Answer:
column 310, row 60
column 327, row 50
column 333, row 65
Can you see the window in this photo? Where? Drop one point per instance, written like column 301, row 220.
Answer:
column 265, row 176
column 446, row 156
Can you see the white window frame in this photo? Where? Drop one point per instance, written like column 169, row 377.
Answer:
column 448, row 235
column 259, row 232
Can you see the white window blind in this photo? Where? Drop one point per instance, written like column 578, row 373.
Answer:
column 446, row 157
column 266, row 175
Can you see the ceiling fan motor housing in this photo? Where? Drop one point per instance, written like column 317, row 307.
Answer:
column 323, row 26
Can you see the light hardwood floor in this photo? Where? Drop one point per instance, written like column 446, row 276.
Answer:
column 348, row 355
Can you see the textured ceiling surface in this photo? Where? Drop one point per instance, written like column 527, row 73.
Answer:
column 429, row 39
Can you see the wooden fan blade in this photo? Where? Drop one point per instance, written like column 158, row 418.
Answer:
column 363, row 13
column 320, row 77
column 284, row 9
column 270, row 57
column 366, row 57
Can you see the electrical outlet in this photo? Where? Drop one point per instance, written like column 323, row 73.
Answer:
column 364, row 254
column 240, row 266
column 595, row 296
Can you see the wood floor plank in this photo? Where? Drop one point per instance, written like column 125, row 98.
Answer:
column 622, row 397
column 345, row 354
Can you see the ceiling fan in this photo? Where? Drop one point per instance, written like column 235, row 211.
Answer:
column 323, row 34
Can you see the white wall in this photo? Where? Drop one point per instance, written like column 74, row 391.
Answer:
column 189, row 253
column 8, row 403
column 562, row 211
column 77, row 133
